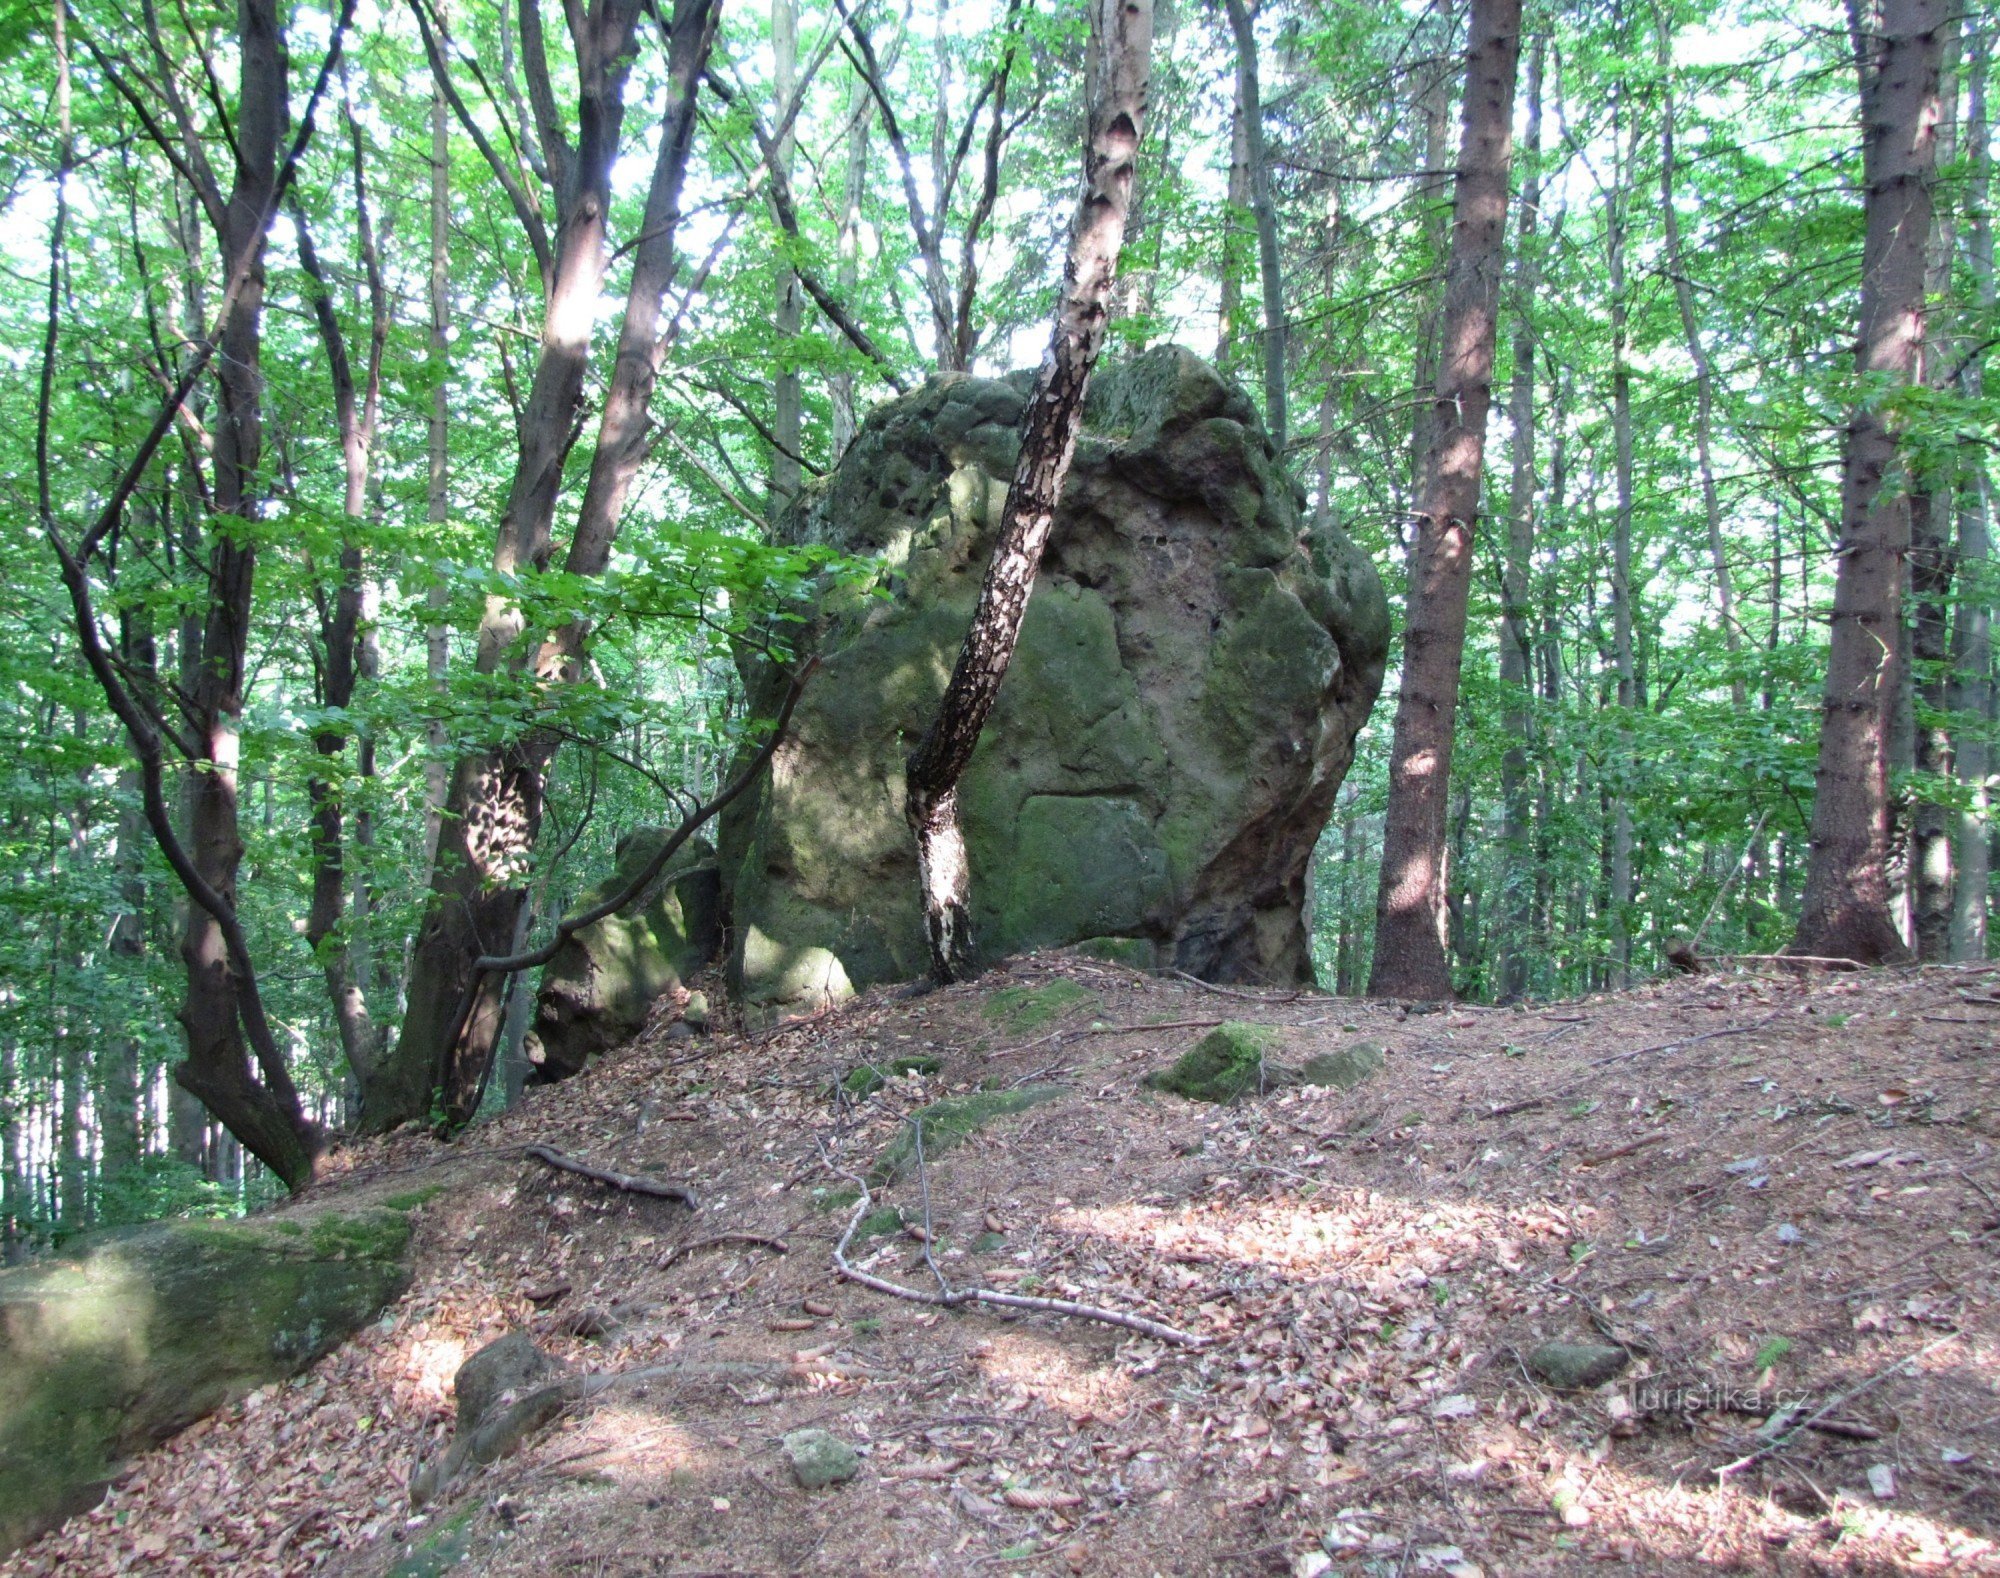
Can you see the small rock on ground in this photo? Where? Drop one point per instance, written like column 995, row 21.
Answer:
column 819, row 1458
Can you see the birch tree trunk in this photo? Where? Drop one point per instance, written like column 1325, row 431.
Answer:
column 1845, row 910
column 1410, row 959
column 1121, row 41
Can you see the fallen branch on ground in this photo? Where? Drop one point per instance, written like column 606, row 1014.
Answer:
column 1820, row 1415
column 949, row 1297
column 1822, row 961
column 631, row 1183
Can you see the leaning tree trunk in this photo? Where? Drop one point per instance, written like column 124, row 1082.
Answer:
column 1410, row 958
column 1121, row 43
column 1249, row 97
column 1845, row 912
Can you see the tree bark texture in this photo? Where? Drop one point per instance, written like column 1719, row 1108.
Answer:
column 1845, row 910
column 1121, row 39
column 1410, row 959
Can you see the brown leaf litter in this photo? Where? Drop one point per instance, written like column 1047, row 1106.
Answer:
column 1777, row 1193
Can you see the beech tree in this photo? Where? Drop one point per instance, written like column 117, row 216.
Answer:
column 1121, row 47
column 1410, row 958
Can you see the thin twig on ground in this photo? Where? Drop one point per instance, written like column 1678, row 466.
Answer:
column 777, row 1245
column 952, row 1298
column 630, row 1183
column 1781, row 1442
column 1685, row 1041
column 1228, row 991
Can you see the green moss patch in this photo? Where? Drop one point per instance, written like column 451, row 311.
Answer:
column 410, row 1199
column 1222, row 1065
column 1345, row 1069
column 871, row 1077
column 945, row 1123
column 1029, row 1008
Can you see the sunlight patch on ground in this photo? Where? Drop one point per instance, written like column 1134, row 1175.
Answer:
column 1034, row 1366
column 429, row 1365
column 628, row 1446
column 1361, row 1235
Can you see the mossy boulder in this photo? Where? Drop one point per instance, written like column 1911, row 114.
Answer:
column 596, row 992
column 946, row 1123
column 1193, row 667
column 1230, row 1061
column 1346, row 1068
column 138, row 1333
column 819, row 1458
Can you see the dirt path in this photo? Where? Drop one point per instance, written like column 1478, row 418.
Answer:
column 1774, row 1194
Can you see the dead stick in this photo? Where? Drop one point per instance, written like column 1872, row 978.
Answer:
column 951, row 1298
column 631, row 1183
column 1781, row 1442
column 777, row 1244
column 1685, row 1041
column 1623, row 1150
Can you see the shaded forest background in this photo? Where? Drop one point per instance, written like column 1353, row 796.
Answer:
column 870, row 197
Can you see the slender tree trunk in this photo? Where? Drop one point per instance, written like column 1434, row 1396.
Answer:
column 1121, row 40
column 1434, row 106
column 847, row 247
column 1972, row 644
column 1516, row 612
column 1704, row 377
column 437, row 488
column 118, row 1072
column 789, row 312
column 1410, row 959
column 1933, row 515
column 1249, row 97
column 1230, row 306
column 1619, row 784
column 494, row 812
column 1845, row 912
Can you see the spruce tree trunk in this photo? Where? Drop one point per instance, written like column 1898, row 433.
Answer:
column 1845, row 911
column 1410, row 959
column 1121, row 39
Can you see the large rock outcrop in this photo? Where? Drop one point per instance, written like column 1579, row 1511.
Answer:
column 596, row 992
column 139, row 1333
column 1193, row 668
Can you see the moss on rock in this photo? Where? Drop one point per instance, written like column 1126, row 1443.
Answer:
column 1221, row 1066
column 139, row 1333
column 1346, row 1068
column 1027, row 1008
column 868, row 1078
column 946, row 1123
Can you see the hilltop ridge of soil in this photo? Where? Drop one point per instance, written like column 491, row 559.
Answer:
column 1776, row 1193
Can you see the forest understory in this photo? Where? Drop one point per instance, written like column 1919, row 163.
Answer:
column 1775, row 1189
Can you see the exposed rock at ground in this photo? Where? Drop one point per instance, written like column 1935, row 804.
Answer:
column 1238, row 1059
column 1195, row 662
column 1572, row 1366
column 139, row 1333
column 505, row 1392
column 597, row 990
column 820, row 1458
column 1224, row 1064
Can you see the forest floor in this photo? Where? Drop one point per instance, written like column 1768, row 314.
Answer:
column 1776, row 1192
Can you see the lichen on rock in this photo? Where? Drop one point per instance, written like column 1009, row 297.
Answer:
column 1193, row 667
